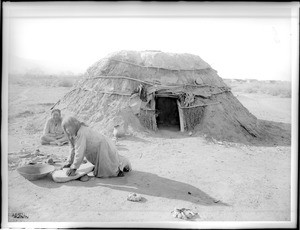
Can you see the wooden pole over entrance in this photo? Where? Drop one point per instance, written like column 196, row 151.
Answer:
column 181, row 117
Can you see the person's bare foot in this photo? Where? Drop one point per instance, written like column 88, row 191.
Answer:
column 53, row 143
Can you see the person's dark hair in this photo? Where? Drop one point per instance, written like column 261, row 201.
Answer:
column 56, row 110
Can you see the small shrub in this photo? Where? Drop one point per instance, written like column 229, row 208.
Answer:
column 250, row 90
column 65, row 83
column 287, row 94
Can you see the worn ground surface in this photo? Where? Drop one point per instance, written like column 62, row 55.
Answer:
column 221, row 181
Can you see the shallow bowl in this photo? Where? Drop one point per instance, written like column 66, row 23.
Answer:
column 35, row 172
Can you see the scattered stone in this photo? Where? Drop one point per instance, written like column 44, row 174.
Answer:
column 50, row 161
column 25, row 156
column 184, row 213
column 134, row 197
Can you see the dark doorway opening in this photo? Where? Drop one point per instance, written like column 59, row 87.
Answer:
column 168, row 115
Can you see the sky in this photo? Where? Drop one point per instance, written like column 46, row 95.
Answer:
column 245, row 47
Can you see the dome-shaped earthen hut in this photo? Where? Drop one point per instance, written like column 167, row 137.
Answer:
column 154, row 89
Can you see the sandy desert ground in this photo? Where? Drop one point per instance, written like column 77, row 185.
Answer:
column 220, row 181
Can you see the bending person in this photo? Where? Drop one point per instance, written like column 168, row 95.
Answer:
column 53, row 131
column 95, row 147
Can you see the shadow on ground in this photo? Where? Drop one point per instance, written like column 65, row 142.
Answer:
column 143, row 183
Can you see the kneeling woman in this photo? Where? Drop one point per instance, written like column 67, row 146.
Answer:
column 98, row 149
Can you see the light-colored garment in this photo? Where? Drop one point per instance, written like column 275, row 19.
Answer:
column 52, row 128
column 99, row 150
